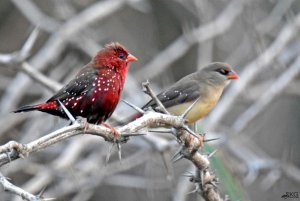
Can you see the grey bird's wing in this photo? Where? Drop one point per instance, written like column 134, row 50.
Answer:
column 185, row 90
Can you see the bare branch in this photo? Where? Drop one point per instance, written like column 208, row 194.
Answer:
column 150, row 92
column 182, row 44
column 40, row 78
column 276, row 88
column 19, row 56
column 19, row 191
column 13, row 150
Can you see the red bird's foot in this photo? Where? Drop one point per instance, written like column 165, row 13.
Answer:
column 114, row 131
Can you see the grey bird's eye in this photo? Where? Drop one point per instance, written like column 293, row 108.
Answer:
column 223, row 71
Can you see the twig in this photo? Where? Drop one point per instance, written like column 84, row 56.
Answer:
column 12, row 150
column 150, row 92
column 40, row 78
column 19, row 56
column 19, row 191
column 183, row 43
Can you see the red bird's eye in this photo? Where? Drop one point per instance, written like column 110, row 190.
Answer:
column 122, row 56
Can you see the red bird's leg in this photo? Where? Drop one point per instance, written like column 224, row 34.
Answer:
column 115, row 132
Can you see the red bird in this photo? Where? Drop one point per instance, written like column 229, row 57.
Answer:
column 95, row 92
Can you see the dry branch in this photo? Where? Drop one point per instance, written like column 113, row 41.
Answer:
column 183, row 43
column 14, row 150
column 276, row 88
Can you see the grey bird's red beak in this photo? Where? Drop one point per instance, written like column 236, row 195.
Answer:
column 232, row 75
column 131, row 58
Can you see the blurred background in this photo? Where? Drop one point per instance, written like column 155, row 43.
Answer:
column 257, row 120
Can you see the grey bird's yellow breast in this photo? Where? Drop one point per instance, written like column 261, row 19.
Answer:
column 204, row 105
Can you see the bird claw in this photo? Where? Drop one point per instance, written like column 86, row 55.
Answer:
column 116, row 134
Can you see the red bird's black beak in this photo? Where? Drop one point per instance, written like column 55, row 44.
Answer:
column 232, row 75
column 131, row 58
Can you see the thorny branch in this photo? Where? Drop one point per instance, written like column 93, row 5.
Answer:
column 14, row 150
column 19, row 191
column 183, row 43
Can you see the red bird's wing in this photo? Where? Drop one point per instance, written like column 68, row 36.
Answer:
column 83, row 82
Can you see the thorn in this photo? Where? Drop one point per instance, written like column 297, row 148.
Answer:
column 178, row 158
column 201, row 177
column 178, row 152
column 189, row 172
column 212, row 153
column 190, row 131
column 134, row 107
column 48, row 199
column 70, row 116
column 160, row 131
column 133, row 134
column 188, row 175
column 194, row 191
column 212, row 139
column 144, row 84
column 167, row 164
column 21, row 156
column 109, row 153
column 40, row 194
column 119, row 151
column 8, row 156
column 7, row 178
column 214, row 184
column 183, row 115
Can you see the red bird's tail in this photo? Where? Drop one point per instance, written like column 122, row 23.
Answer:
column 40, row 107
column 26, row 108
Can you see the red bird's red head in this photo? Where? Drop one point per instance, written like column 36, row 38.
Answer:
column 114, row 56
